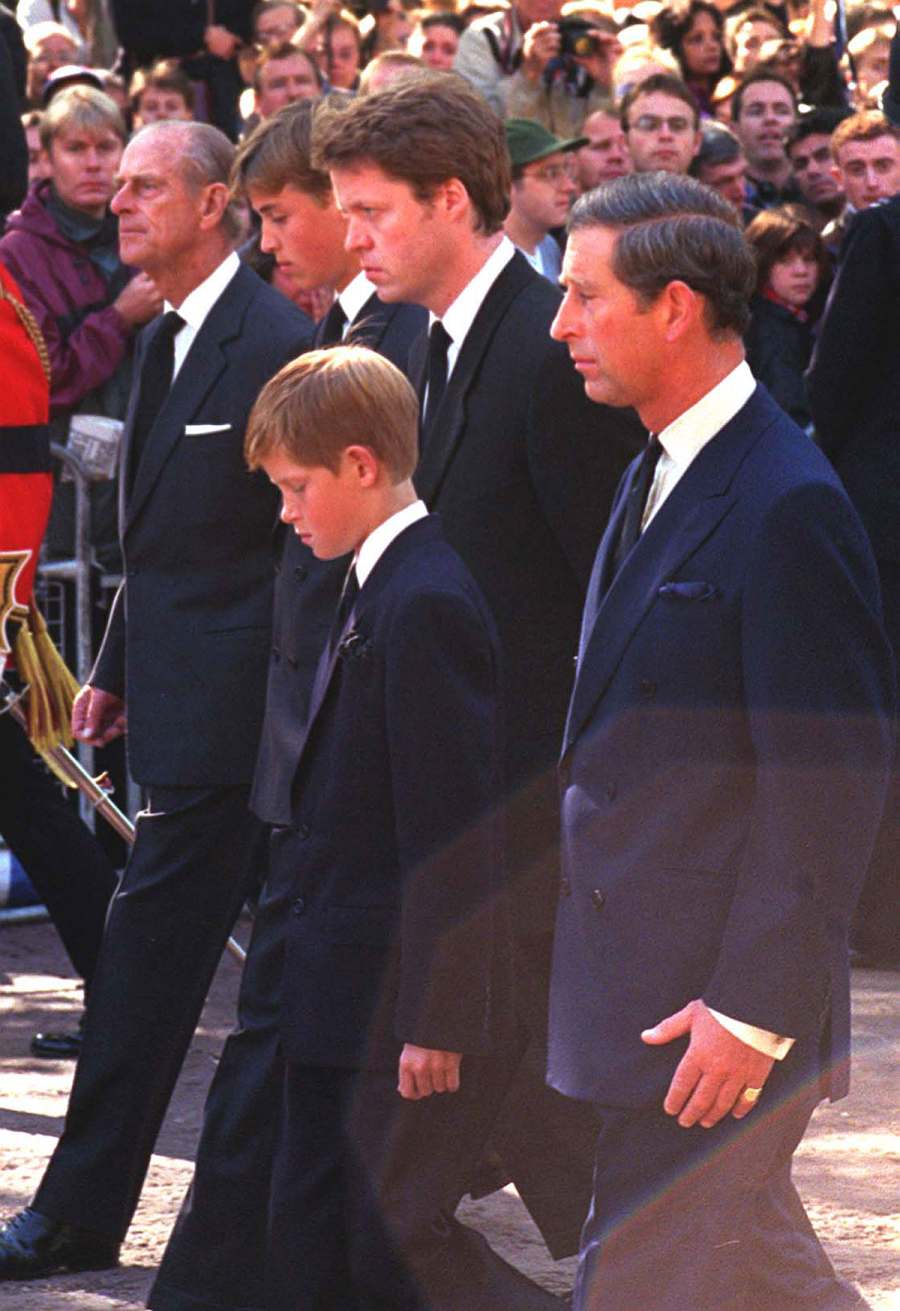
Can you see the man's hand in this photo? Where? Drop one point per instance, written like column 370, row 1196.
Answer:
column 540, row 45
column 424, row 1071
column 97, row 716
column 714, row 1071
column 139, row 301
column 599, row 64
column 220, row 42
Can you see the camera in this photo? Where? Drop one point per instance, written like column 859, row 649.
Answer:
column 577, row 37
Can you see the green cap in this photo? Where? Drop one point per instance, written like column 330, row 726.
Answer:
column 529, row 141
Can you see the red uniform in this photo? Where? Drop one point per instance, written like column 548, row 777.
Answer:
column 26, row 485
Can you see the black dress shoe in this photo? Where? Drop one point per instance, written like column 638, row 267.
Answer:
column 31, row 1245
column 57, row 1046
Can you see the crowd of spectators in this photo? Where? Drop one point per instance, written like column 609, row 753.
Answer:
column 789, row 110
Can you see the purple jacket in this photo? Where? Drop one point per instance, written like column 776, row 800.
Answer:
column 59, row 282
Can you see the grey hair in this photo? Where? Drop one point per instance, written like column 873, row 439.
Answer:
column 205, row 156
column 672, row 228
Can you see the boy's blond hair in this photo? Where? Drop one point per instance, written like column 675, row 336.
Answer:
column 326, row 400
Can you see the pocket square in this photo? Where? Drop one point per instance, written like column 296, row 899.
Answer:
column 689, row 591
column 205, row 429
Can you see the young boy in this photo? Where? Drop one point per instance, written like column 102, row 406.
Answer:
column 396, row 958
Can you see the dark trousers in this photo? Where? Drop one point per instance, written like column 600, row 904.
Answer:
column 189, row 871
column 363, row 1192
column 876, row 924
column 706, row 1219
column 60, row 855
column 215, row 1256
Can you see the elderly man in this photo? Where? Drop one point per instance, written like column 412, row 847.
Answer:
column 185, row 653
column 721, row 786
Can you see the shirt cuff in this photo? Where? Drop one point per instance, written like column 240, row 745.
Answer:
column 761, row 1040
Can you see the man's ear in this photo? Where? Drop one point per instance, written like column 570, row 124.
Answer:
column 679, row 308
column 215, row 201
column 453, row 198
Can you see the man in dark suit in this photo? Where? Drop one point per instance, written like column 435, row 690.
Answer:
column 186, row 650
column 217, row 1248
column 854, row 395
column 723, row 774
column 522, row 470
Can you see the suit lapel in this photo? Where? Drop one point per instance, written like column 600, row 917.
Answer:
column 200, row 371
column 409, row 540
column 450, row 420
column 695, row 508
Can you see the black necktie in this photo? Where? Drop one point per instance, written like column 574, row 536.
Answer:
column 438, row 345
column 155, row 381
column 349, row 593
column 333, row 325
column 637, row 500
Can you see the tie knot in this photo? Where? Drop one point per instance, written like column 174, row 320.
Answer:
column 439, row 339
column 172, row 322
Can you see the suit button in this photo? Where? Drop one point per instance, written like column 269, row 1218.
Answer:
column 598, row 899
column 565, row 888
column 293, row 662
column 299, row 907
column 300, row 573
column 647, row 688
column 303, row 831
column 611, row 791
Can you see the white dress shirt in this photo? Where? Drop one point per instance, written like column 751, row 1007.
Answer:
column 197, row 305
column 380, row 538
column 682, row 441
column 460, row 316
column 353, row 297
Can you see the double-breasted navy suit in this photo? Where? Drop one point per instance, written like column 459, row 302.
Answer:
column 186, row 646
column 722, row 777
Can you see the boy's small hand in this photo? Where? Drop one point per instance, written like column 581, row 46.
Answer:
column 424, row 1071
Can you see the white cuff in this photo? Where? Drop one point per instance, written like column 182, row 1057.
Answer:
column 761, row 1040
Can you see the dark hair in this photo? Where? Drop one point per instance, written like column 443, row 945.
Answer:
column 665, row 84
column 286, row 50
column 164, row 75
column 278, row 153
column 671, row 25
column 819, row 122
column 718, row 145
column 424, row 131
column 764, row 75
column 775, row 233
column 673, row 228
column 441, row 18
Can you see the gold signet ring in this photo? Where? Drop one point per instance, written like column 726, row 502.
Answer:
column 751, row 1094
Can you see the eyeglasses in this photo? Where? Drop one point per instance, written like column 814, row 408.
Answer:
column 554, row 173
column 654, row 122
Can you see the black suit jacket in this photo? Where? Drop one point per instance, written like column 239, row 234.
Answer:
column 854, row 377
column 397, row 931
column 189, row 634
column 306, row 594
column 523, row 469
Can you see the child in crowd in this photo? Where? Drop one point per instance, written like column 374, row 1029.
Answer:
column 792, row 264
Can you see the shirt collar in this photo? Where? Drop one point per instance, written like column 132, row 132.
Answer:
column 380, row 538
column 355, row 295
column 460, row 316
column 198, row 303
column 684, row 438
